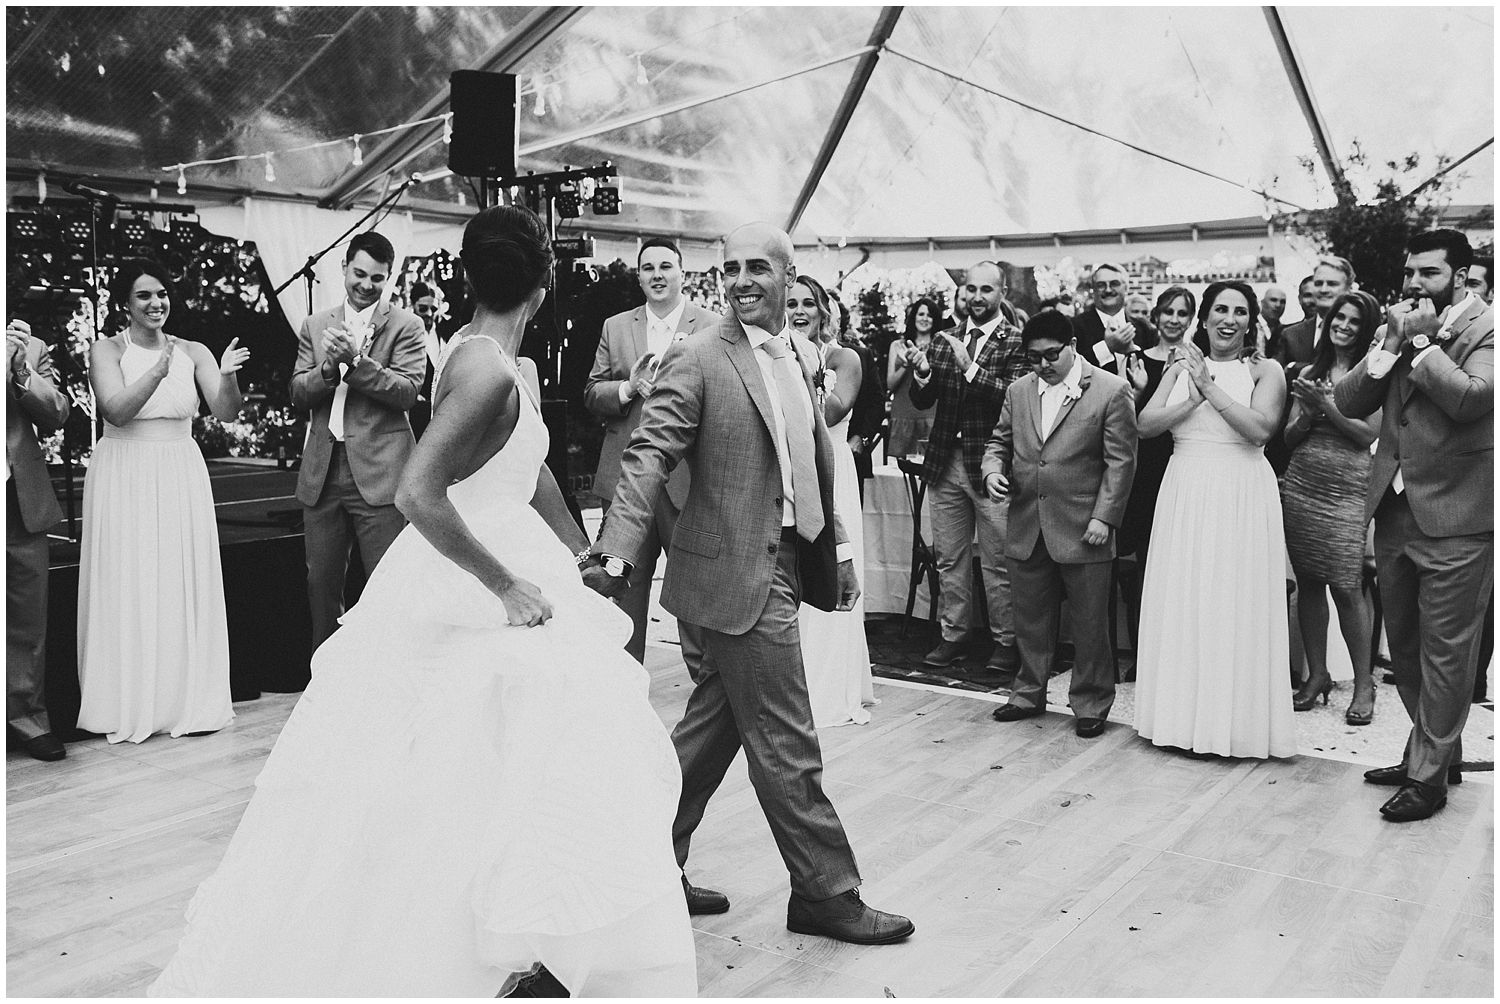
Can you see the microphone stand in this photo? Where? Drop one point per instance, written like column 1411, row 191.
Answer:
column 96, row 298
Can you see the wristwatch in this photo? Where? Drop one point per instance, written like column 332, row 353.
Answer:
column 1421, row 342
column 614, row 567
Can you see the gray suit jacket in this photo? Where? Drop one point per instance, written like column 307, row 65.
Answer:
column 1297, row 343
column 1082, row 471
column 621, row 343
column 711, row 407
column 1437, row 426
column 43, row 408
column 382, row 388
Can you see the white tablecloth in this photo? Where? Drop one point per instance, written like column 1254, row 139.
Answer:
column 887, row 518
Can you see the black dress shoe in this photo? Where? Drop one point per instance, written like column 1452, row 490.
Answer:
column 1414, row 801
column 1088, row 728
column 1004, row 659
column 1014, row 713
column 44, row 747
column 539, row 984
column 703, row 901
column 1395, row 776
column 846, row 918
column 946, row 654
column 984, row 676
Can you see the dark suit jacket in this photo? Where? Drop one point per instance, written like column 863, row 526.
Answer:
column 1089, row 331
column 1082, row 471
column 382, row 388
column 621, row 342
column 1297, row 342
column 966, row 408
column 1437, row 426
column 43, row 408
column 711, row 407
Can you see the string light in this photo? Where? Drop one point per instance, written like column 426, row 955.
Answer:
column 359, row 155
column 541, row 97
column 448, row 128
column 41, row 186
column 181, row 180
column 640, row 72
column 270, row 170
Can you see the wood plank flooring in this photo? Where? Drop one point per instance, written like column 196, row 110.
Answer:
column 1033, row 863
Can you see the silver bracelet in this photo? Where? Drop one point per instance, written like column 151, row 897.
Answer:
column 581, row 557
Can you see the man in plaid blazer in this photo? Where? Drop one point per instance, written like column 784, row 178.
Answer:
column 966, row 374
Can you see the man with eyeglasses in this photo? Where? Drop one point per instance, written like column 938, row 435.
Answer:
column 1106, row 333
column 1064, row 453
column 965, row 373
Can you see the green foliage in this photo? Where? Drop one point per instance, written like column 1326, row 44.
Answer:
column 1373, row 234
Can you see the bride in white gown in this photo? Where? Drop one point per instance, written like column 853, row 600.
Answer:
column 474, row 782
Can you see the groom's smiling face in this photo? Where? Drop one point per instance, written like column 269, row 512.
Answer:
column 757, row 275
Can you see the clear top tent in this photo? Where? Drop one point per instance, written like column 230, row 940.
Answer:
column 841, row 122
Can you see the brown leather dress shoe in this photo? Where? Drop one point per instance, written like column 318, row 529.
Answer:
column 44, row 747
column 1395, row 776
column 846, row 918
column 1088, row 728
column 703, row 901
column 1414, row 801
column 1014, row 713
column 946, row 654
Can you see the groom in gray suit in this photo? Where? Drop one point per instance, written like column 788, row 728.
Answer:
column 358, row 369
column 758, row 535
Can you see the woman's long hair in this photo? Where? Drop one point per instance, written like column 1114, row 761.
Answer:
column 123, row 281
column 933, row 311
column 825, row 313
column 1212, row 293
column 1326, row 354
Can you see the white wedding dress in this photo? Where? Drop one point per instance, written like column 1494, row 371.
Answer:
column 454, row 799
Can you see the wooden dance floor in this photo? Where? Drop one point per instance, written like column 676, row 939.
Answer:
column 1033, row 863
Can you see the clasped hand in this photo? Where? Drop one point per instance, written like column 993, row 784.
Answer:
column 1314, row 393
column 1406, row 319
column 338, row 346
column 17, row 340
column 606, row 585
column 1120, row 340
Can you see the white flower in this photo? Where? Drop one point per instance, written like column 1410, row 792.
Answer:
column 1072, row 393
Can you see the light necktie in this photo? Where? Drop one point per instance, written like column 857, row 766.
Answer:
column 807, row 496
column 360, row 334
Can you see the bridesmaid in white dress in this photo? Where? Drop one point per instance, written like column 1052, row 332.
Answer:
column 1211, row 676
column 153, row 637
column 835, row 653
column 474, row 783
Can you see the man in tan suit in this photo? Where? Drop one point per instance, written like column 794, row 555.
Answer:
column 1064, row 450
column 631, row 348
column 1432, row 496
column 757, row 536
column 33, row 404
column 358, row 369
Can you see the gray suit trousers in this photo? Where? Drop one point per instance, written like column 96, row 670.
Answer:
column 1038, row 584
column 1433, row 592
column 751, row 690
column 331, row 527
column 25, row 622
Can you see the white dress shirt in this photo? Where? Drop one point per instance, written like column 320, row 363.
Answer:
column 360, row 325
column 660, row 332
column 1053, row 396
column 763, row 359
column 1103, row 354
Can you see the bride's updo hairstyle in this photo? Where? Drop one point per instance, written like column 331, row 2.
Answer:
column 506, row 256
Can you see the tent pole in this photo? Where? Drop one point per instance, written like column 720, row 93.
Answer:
column 1306, row 101
column 884, row 25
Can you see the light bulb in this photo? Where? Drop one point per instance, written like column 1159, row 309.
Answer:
column 541, row 96
column 359, row 155
column 640, row 72
column 448, row 128
column 270, row 170
column 181, row 180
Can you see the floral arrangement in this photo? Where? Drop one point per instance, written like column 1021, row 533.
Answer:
column 899, row 287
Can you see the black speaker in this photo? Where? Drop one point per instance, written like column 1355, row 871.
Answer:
column 485, row 133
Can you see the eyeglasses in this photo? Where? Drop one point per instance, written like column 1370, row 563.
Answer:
column 1050, row 355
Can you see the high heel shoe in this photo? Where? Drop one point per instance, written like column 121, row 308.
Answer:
column 1304, row 699
column 1353, row 717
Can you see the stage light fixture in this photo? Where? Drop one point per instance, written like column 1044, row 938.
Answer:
column 135, row 231
column 567, row 202
column 23, row 226
column 77, row 233
column 606, row 201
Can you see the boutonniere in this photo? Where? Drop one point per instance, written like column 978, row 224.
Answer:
column 1072, row 393
column 824, row 379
